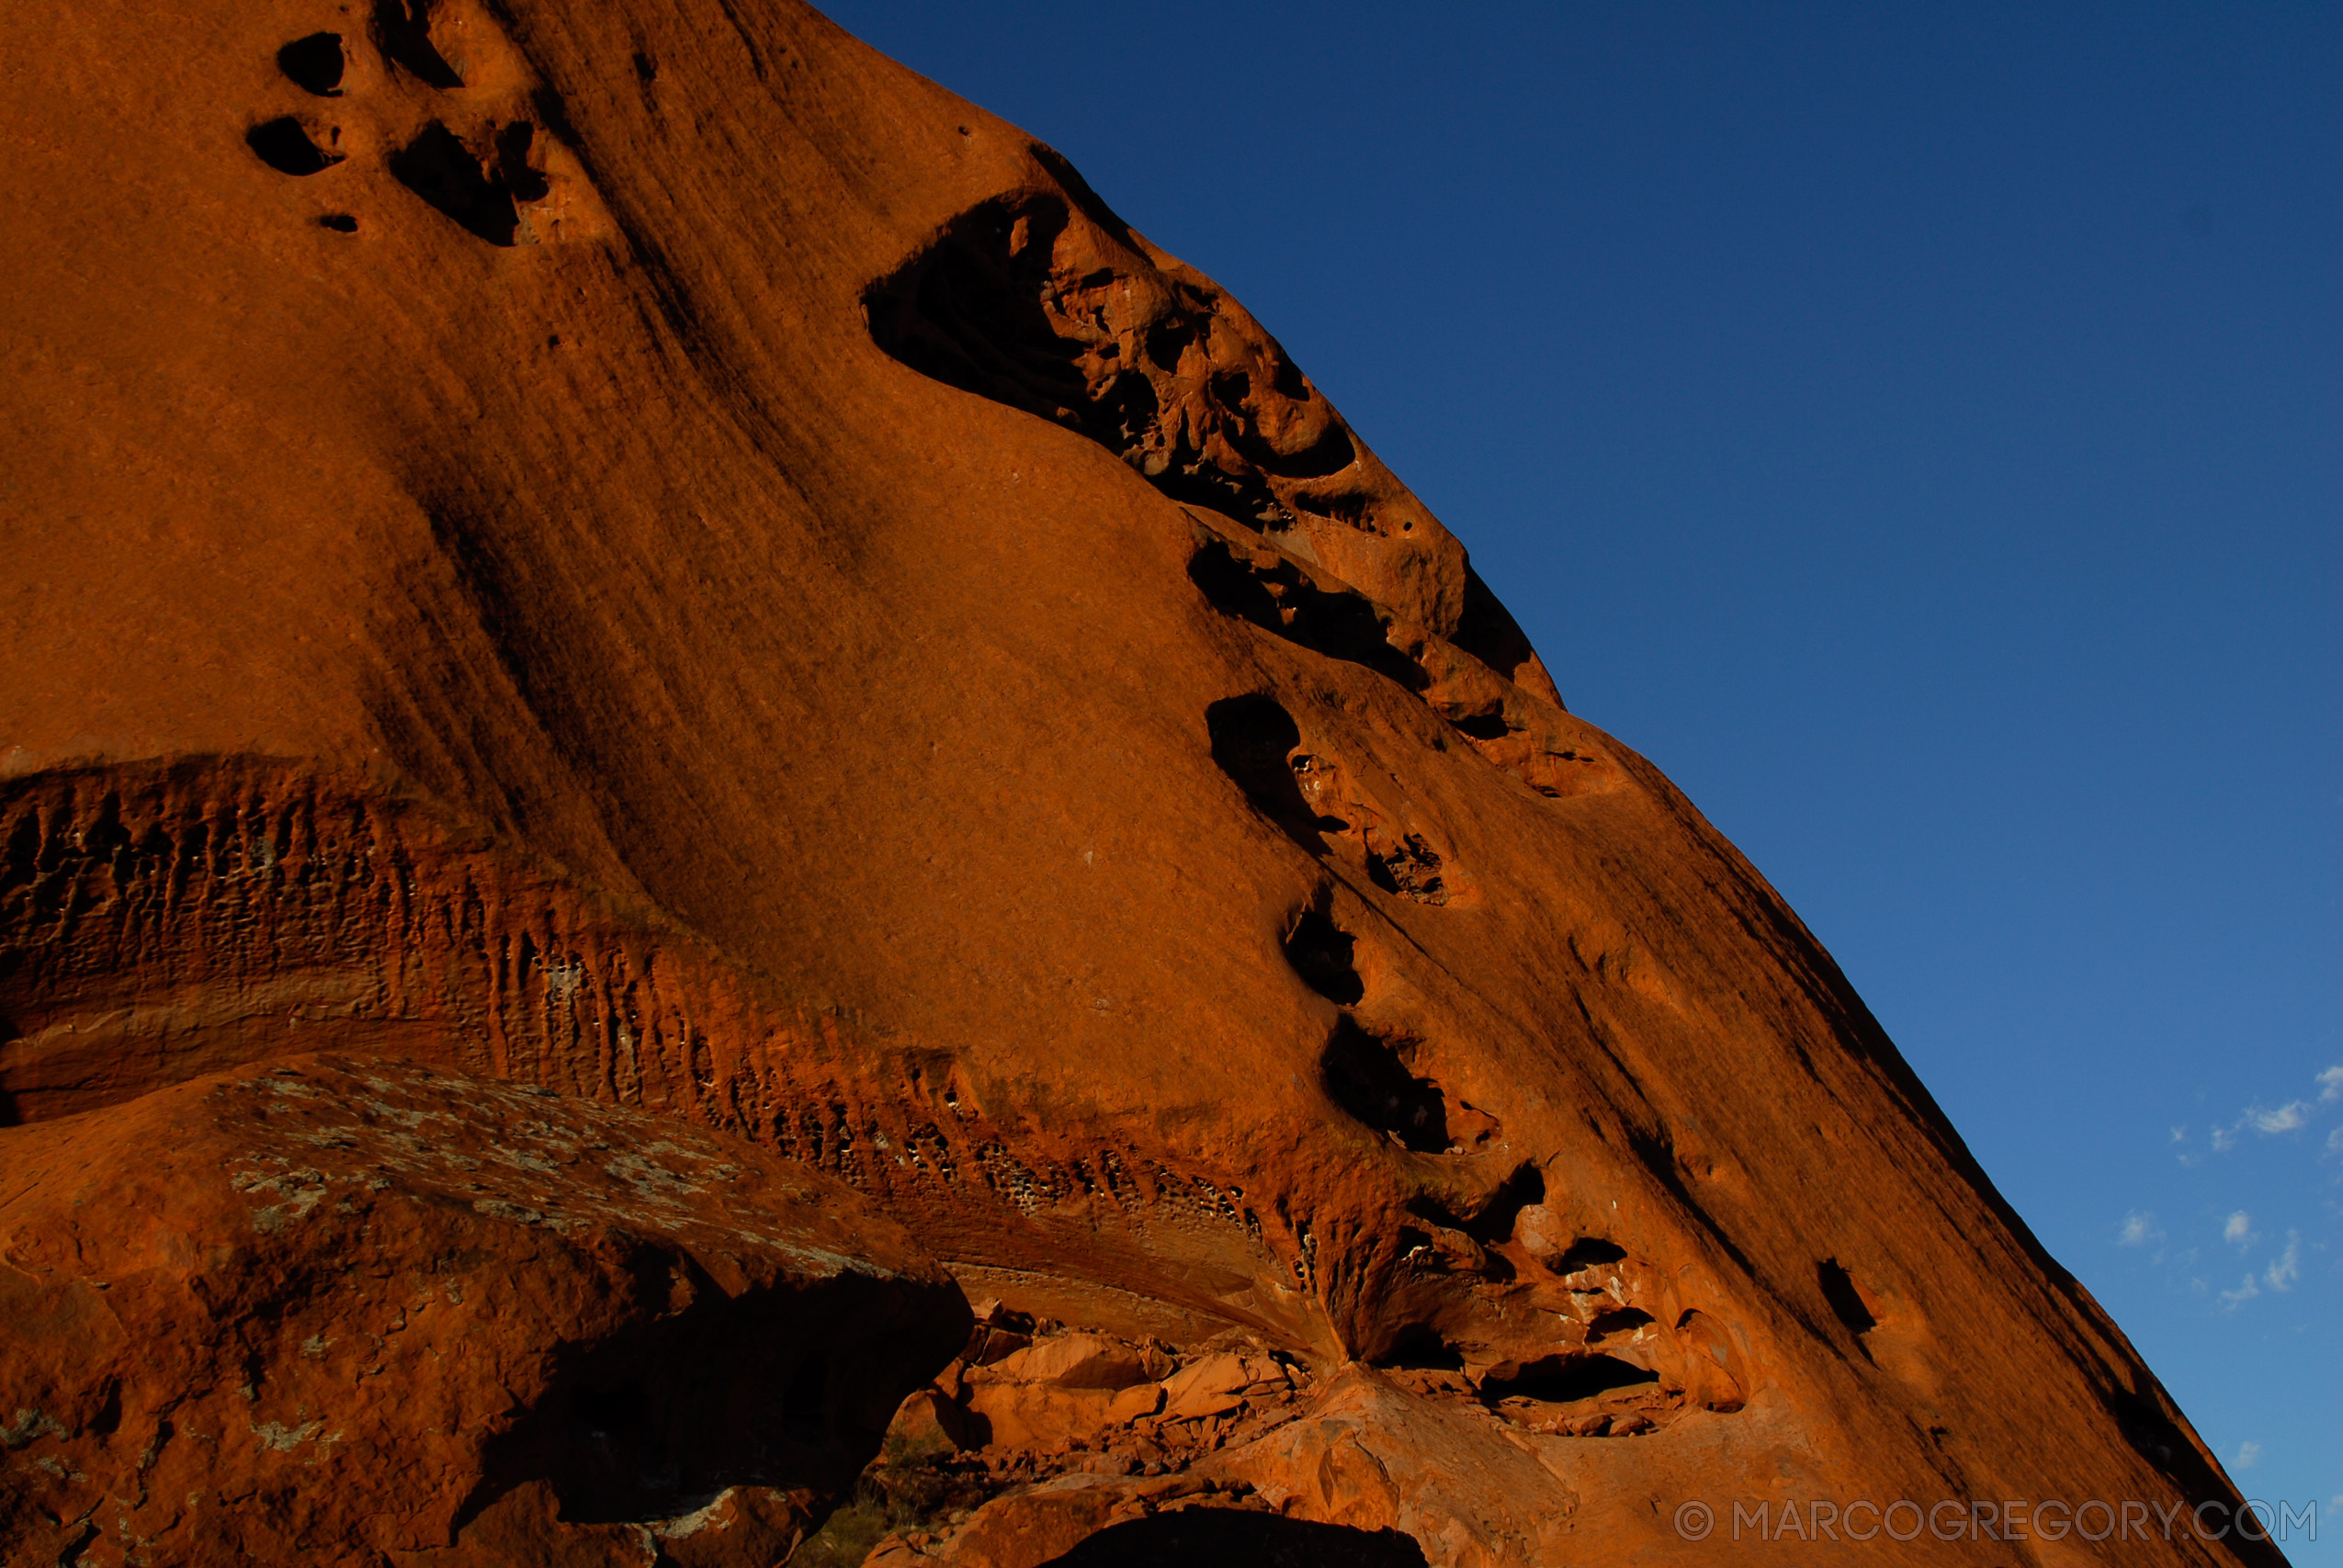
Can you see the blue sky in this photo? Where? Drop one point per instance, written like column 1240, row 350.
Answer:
column 1916, row 428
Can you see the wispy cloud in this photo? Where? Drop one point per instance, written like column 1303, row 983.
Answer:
column 2291, row 1117
column 2237, row 1230
column 2139, row 1230
column 2288, row 1268
column 2246, row 1291
column 2285, row 1119
column 2249, row 1455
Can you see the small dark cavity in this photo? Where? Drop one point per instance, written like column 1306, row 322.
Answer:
column 513, row 162
column 314, row 63
column 1368, row 1075
column 646, row 67
column 1620, row 1320
column 1846, row 1301
column 1495, row 1219
column 1560, row 1379
column 1253, row 738
column 1589, row 1252
column 109, row 1419
column 402, row 31
column 285, row 147
column 1484, row 726
column 438, row 167
column 1280, row 599
column 340, row 222
column 1320, row 952
column 1420, row 1347
column 1168, row 339
column 1229, row 1537
column 1410, row 868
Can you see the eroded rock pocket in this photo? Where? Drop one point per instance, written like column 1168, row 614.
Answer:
column 285, row 146
column 1252, row 738
column 314, row 63
column 1272, row 594
column 1321, row 953
column 438, row 166
column 1371, row 1079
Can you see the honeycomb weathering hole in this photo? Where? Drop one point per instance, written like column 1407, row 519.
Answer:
column 438, row 167
column 1845, row 1297
column 314, row 63
column 1320, row 952
column 283, row 146
column 1368, row 1075
column 1252, row 738
column 402, row 31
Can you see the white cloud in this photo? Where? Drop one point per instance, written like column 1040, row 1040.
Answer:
column 2285, row 1119
column 2223, row 1139
column 2181, row 1134
column 2335, row 1142
column 2237, row 1230
column 2288, row 1268
column 2246, row 1291
column 2139, row 1230
column 2330, row 1085
column 2249, row 1455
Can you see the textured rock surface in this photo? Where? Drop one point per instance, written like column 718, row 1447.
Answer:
column 337, row 1311
column 643, row 549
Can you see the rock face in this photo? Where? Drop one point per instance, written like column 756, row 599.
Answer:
column 646, row 552
column 335, row 1311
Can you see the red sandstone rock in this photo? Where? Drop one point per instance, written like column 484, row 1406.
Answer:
column 349, row 1311
column 647, row 551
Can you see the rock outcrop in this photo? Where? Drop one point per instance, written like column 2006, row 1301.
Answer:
column 346, row 1310
column 643, row 552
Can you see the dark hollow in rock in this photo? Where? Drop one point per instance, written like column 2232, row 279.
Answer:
column 1252, row 737
column 985, row 310
column 314, row 63
column 1368, row 1077
column 1483, row 726
column 1281, row 600
column 438, row 167
column 1496, row 1218
column 1419, row 1347
column 1410, row 868
column 285, row 146
column 402, row 31
column 1846, row 1301
column 1560, row 1380
column 1232, row 1538
column 1620, row 1320
column 1320, row 952
column 340, row 222
column 967, row 311
column 1587, row 1252
column 513, row 145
